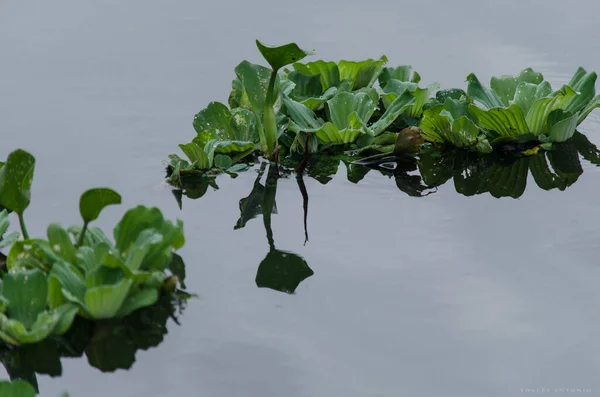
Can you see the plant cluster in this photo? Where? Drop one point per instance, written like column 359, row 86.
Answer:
column 78, row 271
column 521, row 108
column 365, row 106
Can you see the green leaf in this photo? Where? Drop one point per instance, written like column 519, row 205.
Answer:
column 93, row 236
column 213, row 122
column 94, row 200
column 361, row 74
column 196, row 154
column 245, row 125
column 537, row 117
column 467, row 131
column 228, row 147
column 16, row 388
column 583, row 83
column 329, row 133
column 140, row 218
column 594, row 103
column 55, row 295
column 31, row 254
column 255, row 81
column 506, row 86
column 318, row 102
column 484, row 95
column 504, row 121
column 71, row 281
column 302, row 118
column 142, row 247
column 133, row 223
column 105, row 301
column 223, row 161
column 526, row 94
column 26, row 293
column 305, row 86
column 238, row 97
column 240, row 149
column 283, row 55
column 66, row 314
column 15, row 181
column 401, row 73
column 395, row 88
column 344, row 104
column 421, row 96
column 561, row 125
column 4, row 222
column 328, row 72
column 9, row 239
column 438, row 128
column 143, row 298
column 61, row 242
column 6, row 240
column 396, row 108
column 103, row 275
column 564, row 96
column 47, row 323
column 456, row 109
column 453, row 93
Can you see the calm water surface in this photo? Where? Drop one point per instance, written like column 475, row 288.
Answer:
column 438, row 296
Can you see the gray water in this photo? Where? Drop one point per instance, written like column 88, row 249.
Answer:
column 438, row 296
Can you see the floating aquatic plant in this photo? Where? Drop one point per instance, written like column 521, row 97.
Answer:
column 325, row 108
column 525, row 104
column 79, row 270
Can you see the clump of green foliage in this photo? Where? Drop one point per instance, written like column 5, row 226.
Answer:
column 521, row 108
column 325, row 107
column 79, row 270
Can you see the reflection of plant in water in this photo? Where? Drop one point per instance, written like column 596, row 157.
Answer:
column 193, row 187
column 419, row 174
column 401, row 169
column 251, row 206
column 108, row 345
column 279, row 270
column 497, row 174
column 501, row 177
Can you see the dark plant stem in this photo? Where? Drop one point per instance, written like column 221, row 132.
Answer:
column 23, row 228
column 275, row 155
column 268, row 202
column 82, row 234
column 304, row 193
column 302, row 166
